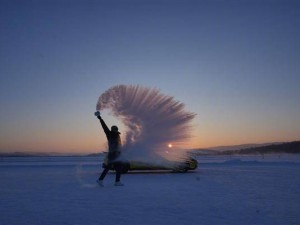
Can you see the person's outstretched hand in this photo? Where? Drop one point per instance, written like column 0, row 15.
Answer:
column 97, row 114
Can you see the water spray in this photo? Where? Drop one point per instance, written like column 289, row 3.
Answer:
column 156, row 124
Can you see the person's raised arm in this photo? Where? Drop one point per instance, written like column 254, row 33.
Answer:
column 103, row 124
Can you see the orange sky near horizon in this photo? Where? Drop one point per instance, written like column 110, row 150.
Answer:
column 89, row 138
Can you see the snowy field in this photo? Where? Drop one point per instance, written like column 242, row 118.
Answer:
column 223, row 190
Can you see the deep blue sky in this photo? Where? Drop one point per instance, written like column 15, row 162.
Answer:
column 234, row 63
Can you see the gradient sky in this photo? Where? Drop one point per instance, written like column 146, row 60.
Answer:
column 234, row 63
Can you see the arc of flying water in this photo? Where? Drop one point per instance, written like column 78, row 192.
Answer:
column 153, row 120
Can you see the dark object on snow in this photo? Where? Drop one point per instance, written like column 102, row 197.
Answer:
column 137, row 165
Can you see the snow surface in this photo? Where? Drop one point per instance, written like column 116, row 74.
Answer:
column 223, row 190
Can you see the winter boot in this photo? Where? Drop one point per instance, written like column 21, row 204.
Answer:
column 118, row 183
column 100, row 183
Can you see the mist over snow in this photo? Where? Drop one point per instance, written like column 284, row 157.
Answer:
column 156, row 124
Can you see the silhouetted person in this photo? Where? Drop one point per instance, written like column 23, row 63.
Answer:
column 114, row 145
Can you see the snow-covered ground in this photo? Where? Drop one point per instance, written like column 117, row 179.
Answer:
column 223, row 190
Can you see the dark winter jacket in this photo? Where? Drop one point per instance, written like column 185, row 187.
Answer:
column 114, row 141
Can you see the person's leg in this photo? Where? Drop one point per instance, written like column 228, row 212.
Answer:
column 104, row 172
column 118, row 168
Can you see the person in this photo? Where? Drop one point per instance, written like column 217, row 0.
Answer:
column 114, row 145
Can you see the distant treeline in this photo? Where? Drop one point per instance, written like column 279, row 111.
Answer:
column 22, row 154
column 290, row 147
column 39, row 154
